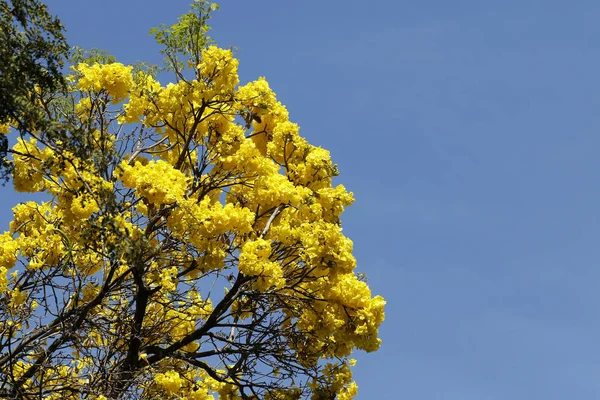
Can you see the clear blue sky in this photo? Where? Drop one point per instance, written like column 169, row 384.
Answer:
column 470, row 134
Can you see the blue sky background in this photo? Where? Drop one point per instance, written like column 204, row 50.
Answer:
column 470, row 134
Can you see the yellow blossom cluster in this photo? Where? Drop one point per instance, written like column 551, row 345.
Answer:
column 4, row 128
column 339, row 384
column 192, row 385
column 201, row 222
column 140, row 100
column 157, row 181
column 114, row 78
column 8, row 253
column 254, row 261
column 28, row 171
column 219, row 70
column 170, row 381
column 173, row 104
column 38, row 239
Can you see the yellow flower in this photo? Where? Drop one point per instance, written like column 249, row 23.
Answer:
column 115, row 78
column 158, row 181
column 254, row 261
column 4, row 128
column 170, row 381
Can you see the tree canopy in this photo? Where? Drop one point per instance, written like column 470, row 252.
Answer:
column 189, row 243
column 32, row 52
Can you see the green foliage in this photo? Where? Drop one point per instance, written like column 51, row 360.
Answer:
column 92, row 56
column 32, row 51
column 186, row 38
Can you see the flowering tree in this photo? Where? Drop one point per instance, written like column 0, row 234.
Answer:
column 188, row 244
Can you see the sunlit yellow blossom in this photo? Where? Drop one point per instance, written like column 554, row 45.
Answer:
column 157, row 181
column 83, row 206
column 4, row 128
column 254, row 261
column 28, row 174
column 115, row 78
column 169, row 381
